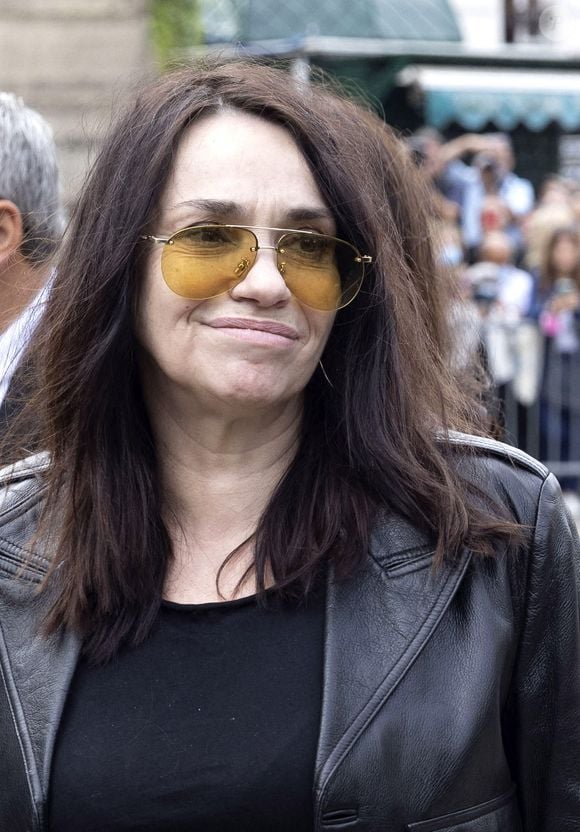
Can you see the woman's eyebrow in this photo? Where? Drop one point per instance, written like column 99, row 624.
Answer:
column 219, row 207
column 309, row 213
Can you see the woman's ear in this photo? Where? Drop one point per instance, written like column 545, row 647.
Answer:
column 11, row 230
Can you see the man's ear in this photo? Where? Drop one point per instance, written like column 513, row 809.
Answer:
column 11, row 230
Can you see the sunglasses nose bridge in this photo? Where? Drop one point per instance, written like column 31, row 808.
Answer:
column 259, row 247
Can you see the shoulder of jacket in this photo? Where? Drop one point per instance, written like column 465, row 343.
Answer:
column 21, row 494
column 498, row 451
column 20, row 482
column 500, row 474
column 26, row 468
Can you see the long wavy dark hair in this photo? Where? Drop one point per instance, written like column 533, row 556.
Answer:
column 373, row 441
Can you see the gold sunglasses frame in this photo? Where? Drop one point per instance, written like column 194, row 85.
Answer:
column 363, row 259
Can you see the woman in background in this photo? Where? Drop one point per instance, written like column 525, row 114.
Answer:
column 556, row 306
column 254, row 579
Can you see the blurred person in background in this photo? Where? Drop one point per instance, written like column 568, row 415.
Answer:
column 555, row 209
column 517, row 192
column 456, row 182
column 493, row 212
column 463, row 314
column 511, row 346
column 554, row 190
column 425, row 148
column 514, row 286
column 501, row 199
column 556, row 307
column 31, row 223
column 574, row 188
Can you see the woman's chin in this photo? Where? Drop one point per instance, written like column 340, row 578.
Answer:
column 242, row 394
column 245, row 385
column 253, row 397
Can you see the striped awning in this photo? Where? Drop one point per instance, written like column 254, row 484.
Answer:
column 503, row 97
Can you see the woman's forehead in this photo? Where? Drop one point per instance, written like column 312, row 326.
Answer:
column 237, row 140
column 239, row 159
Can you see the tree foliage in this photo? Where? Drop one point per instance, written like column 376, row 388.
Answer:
column 175, row 25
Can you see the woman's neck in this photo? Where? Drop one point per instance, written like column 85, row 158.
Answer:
column 219, row 472
column 225, row 463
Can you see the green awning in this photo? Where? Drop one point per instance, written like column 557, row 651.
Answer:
column 505, row 98
column 249, row 21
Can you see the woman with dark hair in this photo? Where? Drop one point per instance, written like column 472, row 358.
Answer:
column 254, row 578
column 560, row 260
column 556, row 306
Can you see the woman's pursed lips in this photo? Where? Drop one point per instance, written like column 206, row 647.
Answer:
column 256, row 325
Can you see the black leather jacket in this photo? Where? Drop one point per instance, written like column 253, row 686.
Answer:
column 451, row 696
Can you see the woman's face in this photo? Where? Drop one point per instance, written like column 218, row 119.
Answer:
column 565, row 255
column 256, row 345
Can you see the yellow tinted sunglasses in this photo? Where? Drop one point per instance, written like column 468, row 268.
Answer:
column 203, row 261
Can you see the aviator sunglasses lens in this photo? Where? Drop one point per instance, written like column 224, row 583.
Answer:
column 204, row 261
column 323, row 272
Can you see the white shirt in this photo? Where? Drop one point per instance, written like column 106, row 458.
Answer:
column 515, row 289
column 14, row 339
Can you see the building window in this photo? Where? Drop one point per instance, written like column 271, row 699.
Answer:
column 528, row 21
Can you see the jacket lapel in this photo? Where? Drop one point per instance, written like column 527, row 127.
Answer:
column 376, row 625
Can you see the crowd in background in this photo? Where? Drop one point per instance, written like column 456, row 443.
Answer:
column 517, row 259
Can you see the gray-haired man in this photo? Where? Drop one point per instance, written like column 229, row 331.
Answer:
column 31, row 223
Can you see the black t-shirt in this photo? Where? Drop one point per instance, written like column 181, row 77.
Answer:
column 211, row 724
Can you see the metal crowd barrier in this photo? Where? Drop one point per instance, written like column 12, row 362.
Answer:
column 546, row 424
column 522, row 428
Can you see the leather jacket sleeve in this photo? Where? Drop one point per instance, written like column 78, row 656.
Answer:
column 542, row 721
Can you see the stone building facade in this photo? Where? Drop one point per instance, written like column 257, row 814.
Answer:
column 74, row 61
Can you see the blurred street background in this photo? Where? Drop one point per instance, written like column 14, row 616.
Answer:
column 486, row 93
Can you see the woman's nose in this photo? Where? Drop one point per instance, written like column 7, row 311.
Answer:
column 263, row 283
